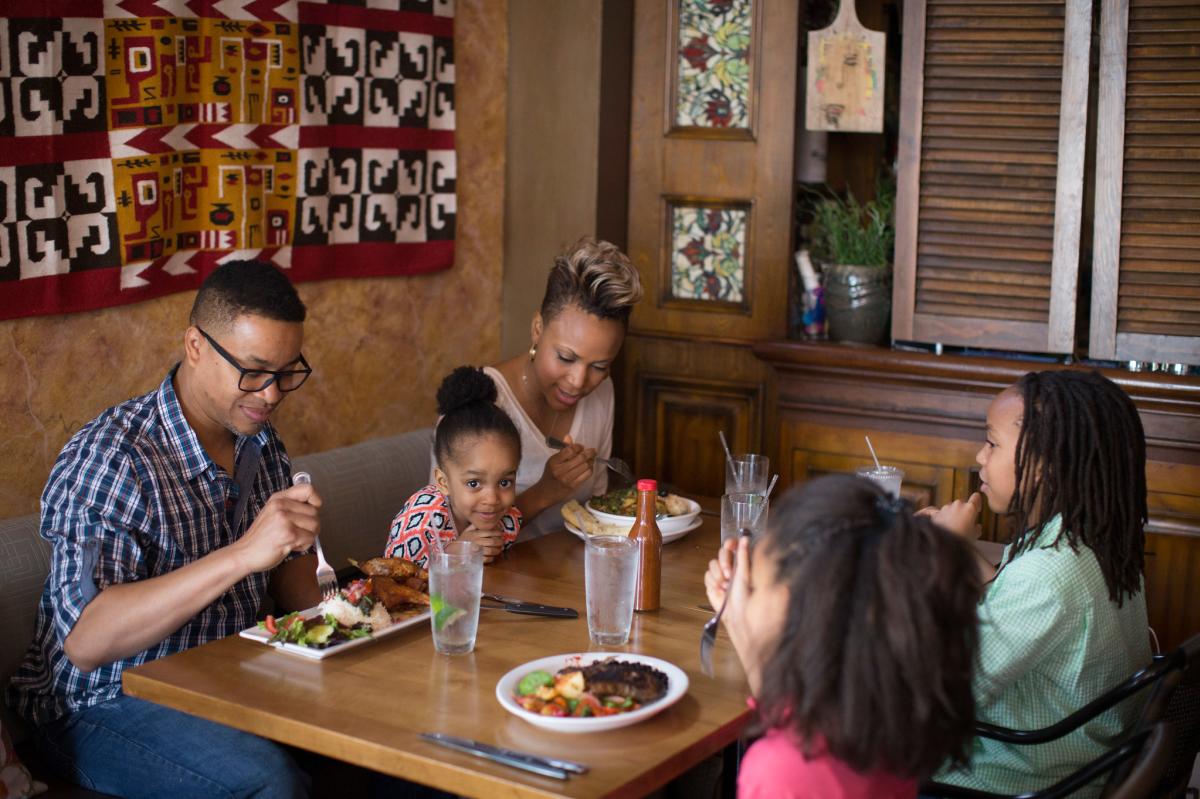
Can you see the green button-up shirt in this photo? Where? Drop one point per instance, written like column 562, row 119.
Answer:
column 1050, row 641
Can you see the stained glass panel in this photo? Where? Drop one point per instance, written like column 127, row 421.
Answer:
column 708, row 253
column 713, row 65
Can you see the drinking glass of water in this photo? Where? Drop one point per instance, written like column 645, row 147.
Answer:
column 743, row 511
column 455, row 586
column 889, row 478
column 610, row 566
column 747, row 474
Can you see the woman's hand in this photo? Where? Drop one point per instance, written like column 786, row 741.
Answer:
column 959, row 517
column 566, row 470
column 491, row 541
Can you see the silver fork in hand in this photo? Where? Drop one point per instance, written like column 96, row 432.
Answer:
column 616, row 464
column 708, row 639
column 326, row 578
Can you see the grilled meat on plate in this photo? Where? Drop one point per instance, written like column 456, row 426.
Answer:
column 637, row 681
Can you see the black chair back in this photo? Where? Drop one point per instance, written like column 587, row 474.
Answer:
column 1148, row 768
column 1183, row 712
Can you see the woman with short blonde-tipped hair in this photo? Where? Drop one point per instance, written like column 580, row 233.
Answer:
column 561, row 388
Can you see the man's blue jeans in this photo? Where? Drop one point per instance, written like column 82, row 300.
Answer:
column 128, row 747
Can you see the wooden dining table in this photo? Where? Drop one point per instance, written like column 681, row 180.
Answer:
column 367, row 706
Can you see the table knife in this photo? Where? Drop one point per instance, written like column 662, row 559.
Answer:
column 533, row 609
column 507, row 757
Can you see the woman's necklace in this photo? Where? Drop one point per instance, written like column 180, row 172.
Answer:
column 532, row 401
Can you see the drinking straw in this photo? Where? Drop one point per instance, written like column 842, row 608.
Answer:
column 728, row 454
column 771, row 485
column 873, row 455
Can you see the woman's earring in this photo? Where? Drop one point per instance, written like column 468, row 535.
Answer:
column 532, row 352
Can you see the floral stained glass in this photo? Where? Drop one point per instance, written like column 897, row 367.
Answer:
column 708, row 253
column 713, row 80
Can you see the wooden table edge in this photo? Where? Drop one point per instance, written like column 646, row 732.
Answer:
column 425, row 763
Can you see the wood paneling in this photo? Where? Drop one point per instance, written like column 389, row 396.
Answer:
column 926, row 415
column 687, row 369
column 687, row 417
column 1146, row 283
column 1172, row 569
column 754, row 171
column 993, row 121
column 676, row 395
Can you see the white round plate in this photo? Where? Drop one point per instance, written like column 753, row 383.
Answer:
column 677, row 685
column 668, row 524
column 667, row 537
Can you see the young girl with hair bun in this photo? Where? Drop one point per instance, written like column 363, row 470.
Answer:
column 857, row 633
column 477, row 450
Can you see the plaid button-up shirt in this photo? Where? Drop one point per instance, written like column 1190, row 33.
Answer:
column 132, row 496
column 1050, row 641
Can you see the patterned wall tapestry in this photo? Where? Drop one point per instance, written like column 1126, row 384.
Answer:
column 143, row 142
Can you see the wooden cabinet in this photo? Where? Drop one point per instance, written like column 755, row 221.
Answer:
column 926, row 413
column 1146, row 269
column 710, row 215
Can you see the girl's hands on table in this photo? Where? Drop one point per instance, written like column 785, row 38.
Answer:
column 491, row 541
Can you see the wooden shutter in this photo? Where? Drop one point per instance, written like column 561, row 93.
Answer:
column 1146, row 270
column 993, row 129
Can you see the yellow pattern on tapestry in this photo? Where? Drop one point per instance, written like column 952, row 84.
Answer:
column 203, row 130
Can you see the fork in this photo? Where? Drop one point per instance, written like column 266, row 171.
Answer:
column 326, row 577
column 616, row 464
column 708, row 639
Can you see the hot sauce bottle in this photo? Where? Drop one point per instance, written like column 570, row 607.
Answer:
column 645, row 531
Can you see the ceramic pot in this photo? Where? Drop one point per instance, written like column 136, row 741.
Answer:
column 858, row 302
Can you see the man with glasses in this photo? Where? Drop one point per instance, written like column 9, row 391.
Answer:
column 171, row 517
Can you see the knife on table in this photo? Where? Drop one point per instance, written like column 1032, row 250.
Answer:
column 545, row 766
column 529, row 608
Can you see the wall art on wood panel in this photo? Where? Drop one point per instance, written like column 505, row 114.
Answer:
column 845, row 75
column 712, row 81
column 707, row 258
column 142, row 143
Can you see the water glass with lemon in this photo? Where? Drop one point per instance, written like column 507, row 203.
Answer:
column 455, row 586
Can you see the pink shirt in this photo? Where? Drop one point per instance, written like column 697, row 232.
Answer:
column 775, row 768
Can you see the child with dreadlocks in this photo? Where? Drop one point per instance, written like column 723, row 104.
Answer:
column 1064, row 618
column 856, row 631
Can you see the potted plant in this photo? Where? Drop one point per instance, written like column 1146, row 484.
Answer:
column 854, row 242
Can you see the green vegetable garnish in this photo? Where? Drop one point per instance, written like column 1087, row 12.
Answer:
column 533, row 681
column 319, row 633
column 443, row 612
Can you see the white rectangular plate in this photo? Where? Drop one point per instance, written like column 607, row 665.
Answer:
column 257, row 633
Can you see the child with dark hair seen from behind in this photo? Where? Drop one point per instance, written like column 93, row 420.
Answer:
column 478, row 449
column 857, row 632
column 1064, row 618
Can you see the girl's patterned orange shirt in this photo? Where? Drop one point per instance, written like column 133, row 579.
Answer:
column 427, row 514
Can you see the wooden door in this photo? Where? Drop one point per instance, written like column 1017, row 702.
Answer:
column 710, row 209
column 993, row 117
column 1146, row 271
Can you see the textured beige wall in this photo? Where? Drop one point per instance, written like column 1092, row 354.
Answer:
column 553, row 140
column 379, row 346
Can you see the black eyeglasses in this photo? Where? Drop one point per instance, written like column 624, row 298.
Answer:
column 252, row 380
